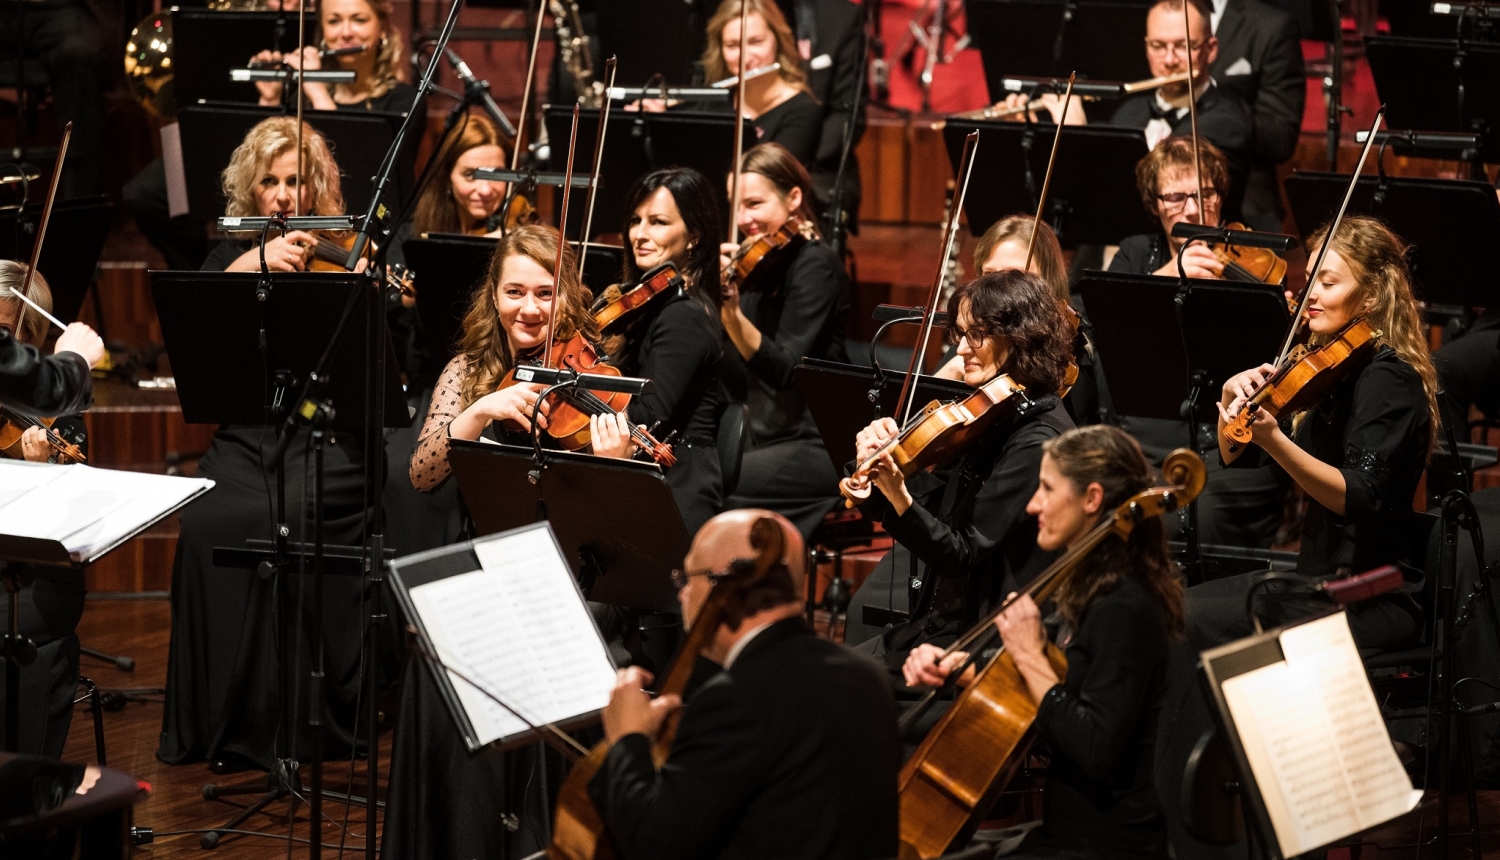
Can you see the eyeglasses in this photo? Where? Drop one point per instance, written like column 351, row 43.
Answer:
column 681, row 578
column 1157, row 47
column 975, row 336
column 1173, row 200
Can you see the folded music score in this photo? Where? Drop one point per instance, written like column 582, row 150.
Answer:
column 509, row 616
column 1314, row 738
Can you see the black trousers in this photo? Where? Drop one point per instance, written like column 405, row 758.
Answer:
column 51, row 606
column 1469, row 372
column 793, row 478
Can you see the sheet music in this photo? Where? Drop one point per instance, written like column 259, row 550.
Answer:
column 519, row 627
column 1315, row 739
column 84, row 508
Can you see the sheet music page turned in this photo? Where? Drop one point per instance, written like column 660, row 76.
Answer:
column 1315, row 739
column 520, row 629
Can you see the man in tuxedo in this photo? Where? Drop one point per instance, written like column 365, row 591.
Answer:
column 789, row 751
column 1260, row 61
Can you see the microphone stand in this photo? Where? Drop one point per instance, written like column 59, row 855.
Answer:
column 836, row 224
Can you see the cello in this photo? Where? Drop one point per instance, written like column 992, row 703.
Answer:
column 983, row 738
column 579, row 832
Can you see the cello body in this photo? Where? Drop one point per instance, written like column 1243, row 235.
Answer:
column 945, row 789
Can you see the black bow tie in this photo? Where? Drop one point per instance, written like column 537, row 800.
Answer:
column 1169, row 114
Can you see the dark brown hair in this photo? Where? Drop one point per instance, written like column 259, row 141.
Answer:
column 1020, row 306
column 1108, row 456
column 1048, row 253
column 437, row 211
column 779, row 167
column 1176, row 153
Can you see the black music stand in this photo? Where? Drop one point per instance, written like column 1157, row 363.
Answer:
column 637, row 144
column 1050, row 38
column 1439, row 85
column 67, row 265
column 1452, row 224
column 206, row 44
column 1084, row 205
column 620, row 557
column 650, row 37
column 359, row 140
column 838, row 395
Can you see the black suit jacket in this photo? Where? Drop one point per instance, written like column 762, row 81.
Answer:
column 790, row 753
column 1223, row 120
column 833, row 27
column 1260, row 60
column 37, row 384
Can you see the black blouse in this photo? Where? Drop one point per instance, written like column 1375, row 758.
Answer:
column 398, row 99
column 1100, row 726
column 799, row 306
column 677, row 346
column 1374, row 426
column 796, row 124
column 969, row 529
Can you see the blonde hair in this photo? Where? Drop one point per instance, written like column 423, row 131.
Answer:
column 1048, row 253
column 1377, row 259
column 270, row 139
column 437, row 211
column 31, row 327
column 388, row 51
column 714, row 67
column 484, row 343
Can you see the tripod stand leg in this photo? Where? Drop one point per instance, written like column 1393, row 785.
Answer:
column 211, row 838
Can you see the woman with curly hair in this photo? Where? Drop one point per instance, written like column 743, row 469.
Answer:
column 963, row 537
column 377, row 84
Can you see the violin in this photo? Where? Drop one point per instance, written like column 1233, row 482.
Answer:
column 332, row 250
column 1305, row 377
column 760, row 248
column 570, row 408
column 1248, row 265
column 940, row 433
column 982, row 740
column 615, row 303
column 579, row 832
column 13, row 425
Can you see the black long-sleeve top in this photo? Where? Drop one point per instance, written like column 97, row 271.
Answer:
column 796, row 124
column 677, row 346
column 1100, row 726
column 1374, row 427
column 44, row 385
column 799, row 307
column 969, row 528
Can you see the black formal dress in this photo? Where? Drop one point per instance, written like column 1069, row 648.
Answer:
column 1469, row 373
column 40, row 384
column 676, row 344
column 1260, row 60
column 1223, row 120
column 1238, row 507
column 965, row 543
column 791, row 752
column 223, row 686
column 831, row 29
column 1100, row 726
column 799, row 306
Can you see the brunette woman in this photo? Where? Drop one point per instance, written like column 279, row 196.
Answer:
column 464, row 204
column 794, row 307
column 963, row 537
column 1119, row 612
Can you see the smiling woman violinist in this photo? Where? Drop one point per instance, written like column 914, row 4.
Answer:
column 967, row 524
column 463, row 204
column 793, row 306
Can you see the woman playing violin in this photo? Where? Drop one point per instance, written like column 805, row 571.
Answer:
column 464, row 204
column 1118, row 615
column 28, row 326
column 1168, row 186
column 967, row 524
column 793, row 306
column 1359, row 453
column 349, row 24
column 507, row 323
column 675, row 341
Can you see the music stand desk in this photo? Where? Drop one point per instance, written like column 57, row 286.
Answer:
column 1419, row 81
column 207, row 44
column 1020, row 37
column 616, row 520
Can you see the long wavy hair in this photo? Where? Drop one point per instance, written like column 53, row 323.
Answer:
column 1108, row 456
column 437, row 211
column 484, row 344
column 714, row 68
column 270, row 139
column 698, row 204
column 1021, row 307
column 776, row 164
column 32, row 326
column 1048, row 253
column 389, row 51
column 1377, row 259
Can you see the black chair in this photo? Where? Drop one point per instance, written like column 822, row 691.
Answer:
column 96, row 711
column 734, row 422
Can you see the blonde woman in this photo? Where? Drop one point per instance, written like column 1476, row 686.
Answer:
column 349, row 24
column 261, row 180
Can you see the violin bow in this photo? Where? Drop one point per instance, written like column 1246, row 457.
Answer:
column 588, row 212
column 950, row 233
column 562, row 241
column 1333, row 229
column 1192, row 85
column 1041, row 202
column 41, row 234
column 519, row 143
column 739, row 132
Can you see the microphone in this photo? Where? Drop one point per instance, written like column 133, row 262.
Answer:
column 1354, row 589
column 549, row 376
column 473, row 85
column 1243, row 238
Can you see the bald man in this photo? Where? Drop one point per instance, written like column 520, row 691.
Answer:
column 790, row 751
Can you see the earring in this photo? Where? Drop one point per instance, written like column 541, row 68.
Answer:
column 383, row 41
